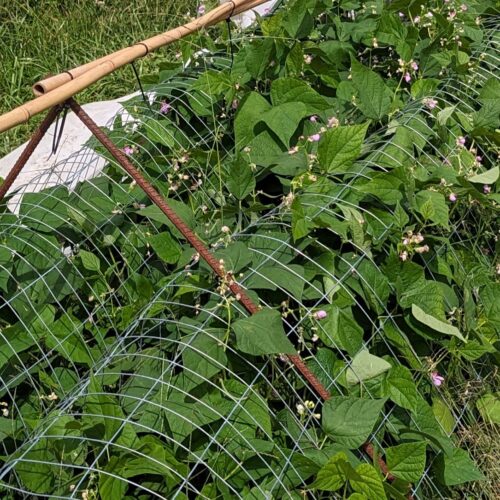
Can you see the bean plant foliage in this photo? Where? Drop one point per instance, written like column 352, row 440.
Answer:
column 342, row 165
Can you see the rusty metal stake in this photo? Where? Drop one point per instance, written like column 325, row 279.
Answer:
column 190, row 236
column 205, row 253
column 28, row 151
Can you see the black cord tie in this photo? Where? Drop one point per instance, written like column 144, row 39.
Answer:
column 58, row 128
column 144, row 97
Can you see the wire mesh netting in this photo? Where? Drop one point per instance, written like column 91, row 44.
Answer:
column 129, row 370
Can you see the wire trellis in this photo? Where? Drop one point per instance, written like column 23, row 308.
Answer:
column 136, row 390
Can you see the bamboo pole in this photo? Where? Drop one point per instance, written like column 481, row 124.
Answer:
column 52, row 82
column 65, row 85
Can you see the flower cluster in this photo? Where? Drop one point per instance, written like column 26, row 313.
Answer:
column 308, row 405
column 407, row 68
column 411, row 244
column 129, row 150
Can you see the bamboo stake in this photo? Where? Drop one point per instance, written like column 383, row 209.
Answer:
column 52, row 82
column 62, row 86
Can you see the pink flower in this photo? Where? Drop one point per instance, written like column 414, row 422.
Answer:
column 452, row 197
column 403, row 255
column 430, row 103
column 332, row 122
column 128, row 150
column 201, row 9
column 414, row 66
column 165, row 107
column 479, row 159
column 313, row 118
column 235, row 104
column 416, row 19
column 461, row 141
column 451, row 15
column 437, row 379
column 293, row 150
column 486, row 189
column 463, row 7
column 314, row 138
column 401, row 15
column 407, row 77
column 320, row 314
column 308, row 59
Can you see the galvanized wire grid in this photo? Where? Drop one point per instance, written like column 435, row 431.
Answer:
column 146, row 373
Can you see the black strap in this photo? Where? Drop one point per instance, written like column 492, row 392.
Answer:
column 58, row 128
column 144, row 97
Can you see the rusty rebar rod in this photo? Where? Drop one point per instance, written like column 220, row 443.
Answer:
column 190, row 236
column 239, row 293
column 28, row 151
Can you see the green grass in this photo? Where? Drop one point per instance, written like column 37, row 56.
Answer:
column 41, row 37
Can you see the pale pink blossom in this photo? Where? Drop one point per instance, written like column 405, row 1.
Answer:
column 416, row 19
column 308, row 59
column 437, row 379
column 407, row 77
column 333, row 122
column 403, row 255
column 201, row 9
column 128, row 150
column 293, row 150
column 461, row 141
column 414, row 66
column 430, row 103
column 321, row 314
column 314, row 138
column 235, row 104
column 313, row 118
column 463, row 7
column 486, row 189
column 165, row 107
column 479, row 159
column 452, row 197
